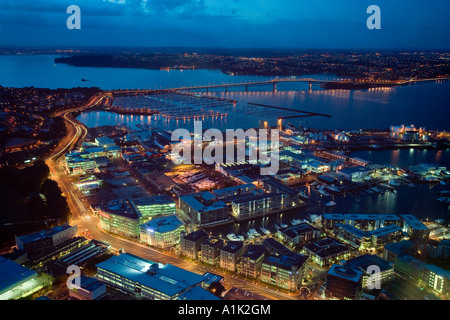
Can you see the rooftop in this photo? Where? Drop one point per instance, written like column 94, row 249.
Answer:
column 196, row 235
column 384, row 231
column 414, row 222
column 163, row 225
column 233, row 246
column 345, row 273
column 254, row 251
column 286, row 261
column 213, row 242
column 13, row 274
column 363, row 262
column 120, row 207
column 153, row 200
column 32, row 237
column 326, row 247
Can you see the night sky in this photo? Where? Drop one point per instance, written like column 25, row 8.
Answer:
column 413, row 24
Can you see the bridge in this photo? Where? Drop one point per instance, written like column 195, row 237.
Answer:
column 246, row 85
column 271, row 82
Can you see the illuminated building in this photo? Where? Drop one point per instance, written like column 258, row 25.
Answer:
column 234, row 191
column 415, row 228
column 154, row 206
column 42, row 241
column 354, row 173
column 394, row 250
column 326, row 251
column 439, row 249
column 162, row 232
column 245, row 206
column 17, row 281
column 79, row 165
column 367, row 239
column 191, row 244
column 300, row 233
column 210, row 252
column 272, row 246
column 284, row 271
column 251, row 261
column 146, row 279
column 364, row 262
column 230, row 255
column 437, row 278
column 120, row 217
column 343, row 283
column 204, row 208
column 90, row 289
column 361, row 221
column 409, row 268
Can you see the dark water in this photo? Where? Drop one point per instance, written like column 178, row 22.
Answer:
column 424, row 105
column 420, row 200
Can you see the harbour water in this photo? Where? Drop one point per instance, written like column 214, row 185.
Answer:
column 424, row 104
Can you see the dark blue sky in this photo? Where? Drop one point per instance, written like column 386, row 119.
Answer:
column 413, row 24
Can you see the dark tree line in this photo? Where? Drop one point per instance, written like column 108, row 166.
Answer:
column 30, row 201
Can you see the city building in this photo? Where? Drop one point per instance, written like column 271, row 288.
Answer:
column 163, row 232
column 120, row 217
column 343, row 283
column 367, row 239
column 230, row 255
column 326, row 251
column 146, row 279
column 234, row 191
column 204, row 208
column 90, row 289
column 415, row 228
column 154, row 205
column 251, row 205
column 366, row 263
column 439, row 249
column 191, row 244
column 273, row 247
column 210, row 252
column 16, row 281
column 251, row 261
column 39, row 242
column 364, row 222
column 394, row 250
column 354, row 173
column 409, row 268
column 284, row 271
column 298, row 234
column 77, row 165
column 437, row 278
